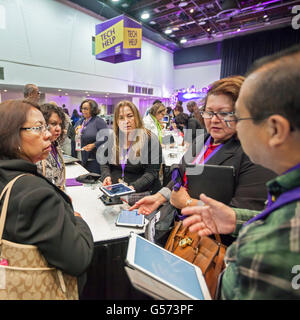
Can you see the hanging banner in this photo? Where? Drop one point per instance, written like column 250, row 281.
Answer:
column 118, row 40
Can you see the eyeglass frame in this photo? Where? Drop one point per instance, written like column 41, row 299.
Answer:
column 236, row 120
column 42, row 129
column 217, row 114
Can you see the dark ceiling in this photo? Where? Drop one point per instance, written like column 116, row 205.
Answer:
column 196, row 21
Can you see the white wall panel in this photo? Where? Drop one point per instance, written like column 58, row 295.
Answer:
column 198, row 74
column 49, row 43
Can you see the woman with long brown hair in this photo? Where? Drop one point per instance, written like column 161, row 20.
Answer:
column 136, row 154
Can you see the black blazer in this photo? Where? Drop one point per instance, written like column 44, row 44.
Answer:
column 250, row 179
column 144, row 175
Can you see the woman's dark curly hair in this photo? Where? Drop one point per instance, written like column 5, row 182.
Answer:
column 47, row 109
column 93, row 106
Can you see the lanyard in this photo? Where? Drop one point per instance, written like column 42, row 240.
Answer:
column 124, row 160
column 204, row 149
column 84, row 124
column 54, row 155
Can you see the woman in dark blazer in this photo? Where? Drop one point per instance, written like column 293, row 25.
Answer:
column 133, row 154
column 219, row 147
column 86, row 130
column 39, row 213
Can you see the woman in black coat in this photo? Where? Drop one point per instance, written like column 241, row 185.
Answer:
column 219, row 147
column 39, row 213
column 132, row 154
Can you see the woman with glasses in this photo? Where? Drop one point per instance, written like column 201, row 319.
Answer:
column 136, row 154
column 53, row 168
column 86, row 130
column 39, row 213
column 220, row 146
column 154, row 119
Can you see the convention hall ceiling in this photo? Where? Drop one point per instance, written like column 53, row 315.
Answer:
column 178, row 23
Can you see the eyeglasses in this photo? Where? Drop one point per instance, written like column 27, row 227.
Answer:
column 235, row 120
column 226, row 116
column 40, row 129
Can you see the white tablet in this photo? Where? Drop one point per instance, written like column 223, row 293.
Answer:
column 155, row 265
column 130, row 219
column 116, row 190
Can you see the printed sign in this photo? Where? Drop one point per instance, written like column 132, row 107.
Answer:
column 118, row 40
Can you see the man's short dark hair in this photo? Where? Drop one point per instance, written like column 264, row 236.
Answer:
column 276, row 89
column 93, row 105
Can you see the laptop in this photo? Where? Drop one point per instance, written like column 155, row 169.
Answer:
column 161, row 274
column 69, row 159
column 216, row 182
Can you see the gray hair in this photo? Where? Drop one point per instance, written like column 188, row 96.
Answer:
column 29, row 89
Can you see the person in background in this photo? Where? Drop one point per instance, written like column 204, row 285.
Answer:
column 53, row 167
column 153, row 121
column 263, row 262
column 75, row 117
column 65, row 109
column 178, row 108
column 31, row 93
column 131, row 141
column 39, row 213
column 86, row 131
column 193, row 123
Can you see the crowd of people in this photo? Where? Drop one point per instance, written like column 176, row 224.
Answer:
column 251, row 123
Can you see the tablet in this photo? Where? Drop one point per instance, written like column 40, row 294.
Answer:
column 217, row 182
column 165, row 119
column 155, row 265
column 118, row 189
column 130, row 219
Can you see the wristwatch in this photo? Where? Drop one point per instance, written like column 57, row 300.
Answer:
column 188, row 202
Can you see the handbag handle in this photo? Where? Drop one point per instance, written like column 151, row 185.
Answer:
column 7, row 190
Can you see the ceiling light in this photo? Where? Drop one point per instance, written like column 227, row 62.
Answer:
column 145, row 15
column 168, row 31
column 208, row 29
column 115, row 0
column 152, row 22
column 182, row 4
column 201, row 22
column 66, row 94
column 183, row 40
column 59, row 90
column 5, row 90
column 265, row 16
column 175, row 29
column 125, row 5
column 238, row 30
column 192, row 10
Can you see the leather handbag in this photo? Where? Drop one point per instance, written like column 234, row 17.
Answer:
column 205, row 252
column 24, row 272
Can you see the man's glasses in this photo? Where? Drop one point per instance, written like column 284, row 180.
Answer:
column 40, row 129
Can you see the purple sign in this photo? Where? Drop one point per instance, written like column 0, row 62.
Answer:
column 118, row 40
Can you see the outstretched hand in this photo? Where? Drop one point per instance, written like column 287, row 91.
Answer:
column 212, row 218
column 149, row 204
